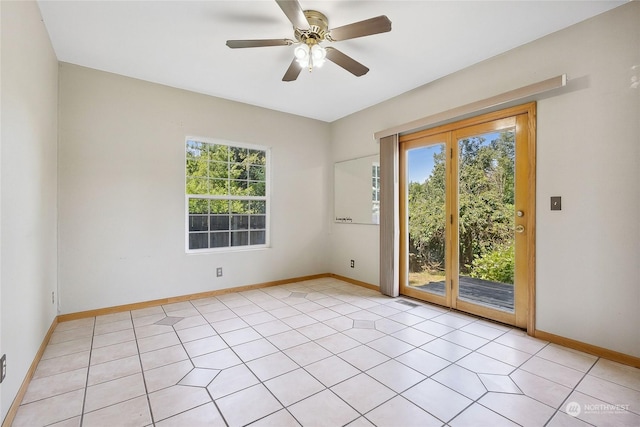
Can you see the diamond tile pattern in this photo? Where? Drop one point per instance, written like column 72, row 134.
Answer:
column 317, row 353
column 169, row 321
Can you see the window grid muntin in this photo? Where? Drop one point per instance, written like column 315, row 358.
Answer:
column 251, row 222
column 375, row 183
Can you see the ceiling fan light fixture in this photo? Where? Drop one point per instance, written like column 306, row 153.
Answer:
column 301, row 52
column 310, row 55
column 319, row 54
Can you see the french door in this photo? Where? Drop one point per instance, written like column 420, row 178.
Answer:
column 467, row 215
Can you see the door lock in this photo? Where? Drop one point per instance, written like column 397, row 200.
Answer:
column 520, row 228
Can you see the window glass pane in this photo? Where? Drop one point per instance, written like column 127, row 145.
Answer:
column 194, row 149
column 256, row 189
column 238, row 171
column 239, row 238
column 197, row 186
column 219, row 187
column 237, row 154
column 239, row 222
column 196, row 167
column 218, row 170
column 240, row 206
column 258, row 207
column 258, row 222
column 198, row 206
column 219, row 240
column 198, row 241
column 219, row 222
column 427, row 221
column 219, row 206
column 198, row 223
column 257, row 157
column 256, row 173
column 218, row 153
column 238, row 188
column 258, row 237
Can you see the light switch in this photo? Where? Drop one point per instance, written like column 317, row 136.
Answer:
column 556, row 203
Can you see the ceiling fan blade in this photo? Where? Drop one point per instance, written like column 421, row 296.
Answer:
column 380, row 24
column 236, row 44
column 346, row 62
column 292, row 72
column 294, row 12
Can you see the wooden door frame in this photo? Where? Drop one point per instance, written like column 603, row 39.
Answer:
column 527, row 113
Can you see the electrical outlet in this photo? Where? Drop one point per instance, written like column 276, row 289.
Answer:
column 219, row 272
column 3, row 367
column 353, row 263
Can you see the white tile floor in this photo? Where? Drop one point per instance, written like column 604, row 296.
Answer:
column 317, row 353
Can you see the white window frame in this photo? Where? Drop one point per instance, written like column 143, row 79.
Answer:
column 375, row 190
column 266, row 197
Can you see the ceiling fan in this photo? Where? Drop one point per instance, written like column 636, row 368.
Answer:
column 311, row 28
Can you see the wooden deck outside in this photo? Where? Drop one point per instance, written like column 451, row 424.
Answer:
column 490, row 294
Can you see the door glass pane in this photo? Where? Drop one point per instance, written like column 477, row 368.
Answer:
column 426, row 175
column 486, row 219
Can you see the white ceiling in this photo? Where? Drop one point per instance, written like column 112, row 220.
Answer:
column 182, row 44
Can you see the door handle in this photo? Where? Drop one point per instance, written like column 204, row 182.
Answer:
column 519, row 228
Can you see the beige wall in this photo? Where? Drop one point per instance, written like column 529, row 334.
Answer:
column 588, row 269
column 122, row 203
column 29, row 190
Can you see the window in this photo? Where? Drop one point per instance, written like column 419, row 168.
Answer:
column 226, row 195
column 375, row 192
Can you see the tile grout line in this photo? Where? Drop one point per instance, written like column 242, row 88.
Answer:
column 452, row 363
column 282, row 351
column 396, row 394
column 339, row 293
column 361, row 372
column 194, row 367
column 144, row 379
column 515, row 368
column 254, row 373
column 325, row 388
column 475, row 373
column 86, row 387
column 86, row 384
column 573, row 390
column 365, row 344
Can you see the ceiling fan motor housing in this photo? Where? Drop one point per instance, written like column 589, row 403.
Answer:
column 318, row 28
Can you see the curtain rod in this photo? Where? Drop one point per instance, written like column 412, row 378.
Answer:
column 473, row 108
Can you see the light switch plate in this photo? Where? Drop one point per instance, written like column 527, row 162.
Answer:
column 556, row 203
